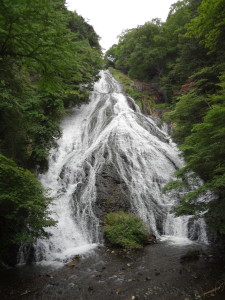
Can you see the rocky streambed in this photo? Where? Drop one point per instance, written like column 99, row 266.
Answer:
column 166, row 270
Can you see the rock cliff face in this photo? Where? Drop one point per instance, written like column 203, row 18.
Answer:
column 112, row 194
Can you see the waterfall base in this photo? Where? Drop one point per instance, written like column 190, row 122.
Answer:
column 155, row 272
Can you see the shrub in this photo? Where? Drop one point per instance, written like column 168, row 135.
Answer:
column 125, row 230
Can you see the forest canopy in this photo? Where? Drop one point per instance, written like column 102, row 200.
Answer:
column 46, row 54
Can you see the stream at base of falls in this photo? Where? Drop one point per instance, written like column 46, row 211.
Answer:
column 111, row 157
column 157, row 272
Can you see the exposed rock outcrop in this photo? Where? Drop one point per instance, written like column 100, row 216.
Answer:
column 112, row 192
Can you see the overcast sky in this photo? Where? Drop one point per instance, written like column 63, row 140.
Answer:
column 110, row 18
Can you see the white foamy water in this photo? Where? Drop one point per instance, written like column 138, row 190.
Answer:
column 176, row 240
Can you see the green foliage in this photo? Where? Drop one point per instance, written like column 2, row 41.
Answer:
column 46, row 54
column 174, row 185
column 203, row 149
column 128, row 84
column 207, row 142
column 209, row 25
column 189, row 110
column 125, row 230
column 83, row 30
column 23, row 207
column 137, row 53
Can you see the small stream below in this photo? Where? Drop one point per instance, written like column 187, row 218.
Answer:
column 162, row 271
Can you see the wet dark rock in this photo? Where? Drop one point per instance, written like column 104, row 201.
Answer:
column 90, row 288
column 29, row 252
column 131, row 103
column 152, row 128
column 9, row 258
column 112, row 192
column 62, row 173
column 148, row 278
column 159, row 218
column 191, row 255
column 193, row 229
column 151, row 240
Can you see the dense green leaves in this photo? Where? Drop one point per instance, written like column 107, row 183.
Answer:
column 203, row 144
column 137, row 52
column 23, row 207
column 209, row 25
column 125, row 230
column 46, row 54
column 189, row 111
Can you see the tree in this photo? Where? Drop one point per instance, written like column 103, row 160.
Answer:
column 46, row 53
column 203, row 150
column 138, row 53
column 189, row 110
column 23, row 208
column 209, row 25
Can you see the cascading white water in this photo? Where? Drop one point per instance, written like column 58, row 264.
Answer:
column 109, row 131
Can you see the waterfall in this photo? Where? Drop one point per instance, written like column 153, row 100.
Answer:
column 110, row 157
